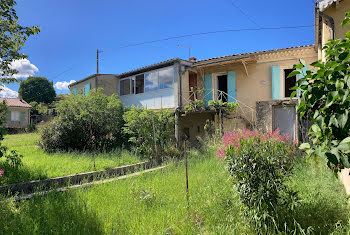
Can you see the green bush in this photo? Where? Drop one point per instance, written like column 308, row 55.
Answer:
column 92, row 122
column 260, row 163
column 151, row 131
column 325, row 99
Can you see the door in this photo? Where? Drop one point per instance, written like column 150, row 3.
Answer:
column 284, row 118
column 193, row 85
column 222, row 88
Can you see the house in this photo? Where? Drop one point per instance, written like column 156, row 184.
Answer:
column 106, row 81
column 254, row 80
column 18, row 114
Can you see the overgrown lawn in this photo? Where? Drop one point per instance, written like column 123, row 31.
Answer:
column 155, row 203
column 38, row 164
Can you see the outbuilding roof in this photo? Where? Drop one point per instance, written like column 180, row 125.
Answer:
column 15, row 102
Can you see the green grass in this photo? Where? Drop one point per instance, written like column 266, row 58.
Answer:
column 155, row 203
column 37, row 164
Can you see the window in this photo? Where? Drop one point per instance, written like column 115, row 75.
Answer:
column 15, row 116
column 289, row 82
column 166, row 77
column 125, row 87
column 140, row 84
column 151, row 81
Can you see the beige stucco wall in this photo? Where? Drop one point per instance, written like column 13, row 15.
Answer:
column 337, row 12
column 20, row 124
column 195, row 122
column 256, row 86
column 108, row 82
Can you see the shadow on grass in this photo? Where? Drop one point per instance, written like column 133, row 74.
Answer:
column 54, row 213
column 321, row 216
column 18, row 175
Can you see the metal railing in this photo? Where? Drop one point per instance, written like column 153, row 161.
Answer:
column 244, row 111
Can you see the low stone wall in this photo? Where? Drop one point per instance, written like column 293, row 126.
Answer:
column 31, row 186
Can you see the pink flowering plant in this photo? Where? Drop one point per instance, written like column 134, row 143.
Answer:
column 260, row 163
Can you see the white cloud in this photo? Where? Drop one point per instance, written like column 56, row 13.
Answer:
column 63, row 85
column 8, row 93
column 24, row 68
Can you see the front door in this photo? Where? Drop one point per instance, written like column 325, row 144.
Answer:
column 193, row 85
column 222, row 88
column 284, row 118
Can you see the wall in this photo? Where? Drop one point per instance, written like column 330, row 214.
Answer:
column 195, row 123
column 20, row 124
column 264, row 114
column 153, row 99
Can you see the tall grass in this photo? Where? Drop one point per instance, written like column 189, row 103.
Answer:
column 155, row 203
column 38, row 164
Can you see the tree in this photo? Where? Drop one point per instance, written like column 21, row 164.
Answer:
column 12, row 38
column 37, row 89
column 325, row 99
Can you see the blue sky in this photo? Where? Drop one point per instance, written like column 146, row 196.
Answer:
column 71, row 31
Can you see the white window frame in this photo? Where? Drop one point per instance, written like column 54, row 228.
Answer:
column 133, row 89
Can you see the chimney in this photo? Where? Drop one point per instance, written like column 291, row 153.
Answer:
column 192, row 59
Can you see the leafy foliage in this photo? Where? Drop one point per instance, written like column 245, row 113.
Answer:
column 260, row 163
column 325, row 100
column 13, row 160
column 151, row 131
column 37, row 89
column 85, row 123
column 12, row 38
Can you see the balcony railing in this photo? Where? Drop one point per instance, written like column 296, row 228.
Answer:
column 244, row 111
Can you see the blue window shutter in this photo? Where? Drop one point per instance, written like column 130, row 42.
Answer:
column 87, row 89
column 23, row 116
column 75, row 91
column 231, row 86
column 300, row 76
column 303, row 72
column 276, row 82
column 208, row 86
column 8, row 116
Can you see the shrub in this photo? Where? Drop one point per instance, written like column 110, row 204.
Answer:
column 325, row 99
column 85, row 123
column 260, row 163
column 151, row 131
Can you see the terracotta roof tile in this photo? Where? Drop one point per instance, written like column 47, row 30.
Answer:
column 15, row 102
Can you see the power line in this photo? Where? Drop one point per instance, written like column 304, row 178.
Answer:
column 206, row 33
column 243, row 13
column 191, row 35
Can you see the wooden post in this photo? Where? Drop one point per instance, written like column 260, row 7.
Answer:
column 97, row 61
column 92, row 138
column 177, row 131
column 187, row 192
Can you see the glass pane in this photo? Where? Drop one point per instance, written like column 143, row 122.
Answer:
column 140, row 84
column 125, row 87
column 166, row 77
column 151, row 81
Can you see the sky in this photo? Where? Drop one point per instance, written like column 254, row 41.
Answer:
column 71, row 32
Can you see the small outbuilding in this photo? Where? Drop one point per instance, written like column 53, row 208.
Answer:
column 18, row 114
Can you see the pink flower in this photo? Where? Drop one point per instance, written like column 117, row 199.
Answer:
column 2, row 172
